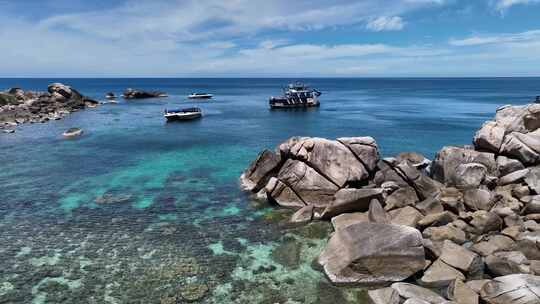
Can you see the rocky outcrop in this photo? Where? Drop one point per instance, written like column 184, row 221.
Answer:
column 466, row 227
column 310, row 171
column 138, row 94
column 513, row 133
column 18, row 106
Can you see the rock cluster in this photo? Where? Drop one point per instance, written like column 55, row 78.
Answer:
column 18, row 106
column 137, row 94
column 461, row 229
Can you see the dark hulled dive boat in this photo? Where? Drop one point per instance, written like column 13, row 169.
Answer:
column 200, row 96
column 182, row 114
column 296, row 95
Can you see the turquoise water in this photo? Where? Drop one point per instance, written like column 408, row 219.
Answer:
column 141, row 211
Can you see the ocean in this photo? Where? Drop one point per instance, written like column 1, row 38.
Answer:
column 138, row 210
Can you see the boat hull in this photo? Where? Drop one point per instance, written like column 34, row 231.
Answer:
column 182, row 116
column 293, row 106
column 200, row 97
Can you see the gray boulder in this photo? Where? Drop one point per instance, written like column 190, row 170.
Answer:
column 330, row 159
column 514, row 288
column 514, row 177
column 507, row 165
column 532, row 179
column 446, row 232
column 468, row 176
column 459, row 292
column 408, row 291
column 256, row 176
column 303, row 215
column 484, row 222
column 402, row 197
column 364, row 148
column 460, row 257
column 440, row 274
column 528, row 242
column 445, row 166
column 507, row 262
column 307, row 185
column 351, row 200
column 492, row 244
column 383, row 296
column 392, row 254
column 489, row 137
column 407, row 216
column 479, row 199
column 524, row 147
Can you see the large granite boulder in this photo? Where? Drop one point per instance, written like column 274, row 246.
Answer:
column 532, row 179
column 410, row 291
column 512, row 289
column 351, row 200
column 364, row 148
column 256, row 176
column 331, row 159
column 458, row 166
column 513, row 133
column 372, row 253
column 299, row 184
column 524, row 147
column 489, row 137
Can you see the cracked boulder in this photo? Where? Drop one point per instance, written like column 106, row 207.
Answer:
column 512, row 289
column 351, row 200
column 464, row 167
column 331, row 159
column 256, row 176
column 372, row 253
column 297, row 184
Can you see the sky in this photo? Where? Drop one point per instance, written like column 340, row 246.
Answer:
column 269, row 38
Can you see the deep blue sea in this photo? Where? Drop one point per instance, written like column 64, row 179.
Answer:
column 138, row 210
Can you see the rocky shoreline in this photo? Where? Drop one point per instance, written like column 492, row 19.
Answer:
column 18, row 106
column 463, row 228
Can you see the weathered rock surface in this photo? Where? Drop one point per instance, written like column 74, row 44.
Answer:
column 453, row 164
column 514, row 289
column 256, row 176
column 306, row 186
column 393, row 253
column 351, row 200
column 460, row 257
column 440, row 274
column 409, row 291
column 383, row 296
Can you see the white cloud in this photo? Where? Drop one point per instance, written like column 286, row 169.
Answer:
column 527, row 36
column 385, row 23
column 502, row 5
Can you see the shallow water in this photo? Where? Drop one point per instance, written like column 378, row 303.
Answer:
column 141, row 211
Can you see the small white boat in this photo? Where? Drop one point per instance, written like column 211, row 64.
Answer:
column 200, row 96
column 183, row 114
column 73, row 132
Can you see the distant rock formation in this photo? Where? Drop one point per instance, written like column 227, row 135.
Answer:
column 18, row 106
column 464, row 228
column 136, row 94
